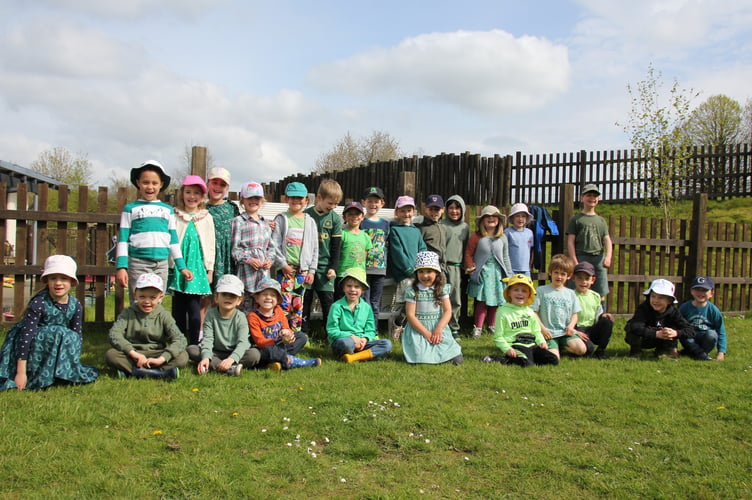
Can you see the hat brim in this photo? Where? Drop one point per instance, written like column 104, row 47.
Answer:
column 136, row 173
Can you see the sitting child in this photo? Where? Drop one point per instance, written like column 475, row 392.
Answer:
column 707, row 321
column 226, row 346
column 593, row 325
column 145, row 339
column 350, row 327
column 518, row 332
column 271, row 332
column 657, row 323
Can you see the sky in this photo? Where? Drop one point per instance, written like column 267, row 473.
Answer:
column 268, row 87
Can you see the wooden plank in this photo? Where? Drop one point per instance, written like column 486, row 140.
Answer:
column 32, row 215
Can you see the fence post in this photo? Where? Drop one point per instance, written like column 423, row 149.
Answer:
column 566, row 211
column 697, row 241
column 198, row 161
column 407, row 184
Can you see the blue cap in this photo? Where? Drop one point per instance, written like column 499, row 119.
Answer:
column 703, row 282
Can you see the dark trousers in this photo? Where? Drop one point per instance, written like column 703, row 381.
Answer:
column 533, row 355
column 279, row 351
column 326, row 299
column 186, row 309
column 374, row 292
column 599, row 333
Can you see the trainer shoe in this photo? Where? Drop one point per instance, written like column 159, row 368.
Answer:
column 234, row 370
column 702, row 356
column 397, row 332
column 477, row 332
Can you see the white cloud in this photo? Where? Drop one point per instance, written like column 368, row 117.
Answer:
column 133, row 9
column 484, row 71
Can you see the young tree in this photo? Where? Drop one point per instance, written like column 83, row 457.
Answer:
column 349, row 152
column 60, row 164
column 655, row 129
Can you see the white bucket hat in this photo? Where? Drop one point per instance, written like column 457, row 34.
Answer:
column 520, row 208
column 229, row 283
column 60, row 264
column 661, row 287
column 427, row 260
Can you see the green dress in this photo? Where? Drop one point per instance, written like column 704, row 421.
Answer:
column 194, row 260
column 223, row 215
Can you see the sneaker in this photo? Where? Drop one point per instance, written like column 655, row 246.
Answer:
column 234, row 370
column 477, row 332
column 122, row 374
column 171, row 374
column 491, row 330
column 635, row 354
column 397, row 332
column 275, row 367
column 702, row 356
column 487, row 359
column 600, row 354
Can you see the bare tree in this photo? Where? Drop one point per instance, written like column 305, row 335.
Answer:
column 349, row 152
column 60, row 164
column 746, row 126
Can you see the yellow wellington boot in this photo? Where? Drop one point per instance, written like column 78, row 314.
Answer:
column 363, row 355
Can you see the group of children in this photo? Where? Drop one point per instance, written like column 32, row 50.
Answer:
column 242, row 287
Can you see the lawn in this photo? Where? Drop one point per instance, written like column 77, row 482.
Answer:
column 586, row 428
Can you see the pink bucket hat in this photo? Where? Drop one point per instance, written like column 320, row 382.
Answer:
column 61, row 264
column 194, row 180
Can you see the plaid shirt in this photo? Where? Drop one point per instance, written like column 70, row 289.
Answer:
column 252, row 239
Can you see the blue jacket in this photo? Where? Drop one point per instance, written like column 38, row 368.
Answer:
column 543, row 222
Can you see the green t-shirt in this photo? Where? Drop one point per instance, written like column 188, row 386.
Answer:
column 590, row 308
column 589, row 231
column 354, row 251
column 513, row 320
column 294, row 238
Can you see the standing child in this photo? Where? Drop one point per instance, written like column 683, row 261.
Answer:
column 355, row 244
column 147, row 235
column 518, row 331
column 706, row 320
column 378, row 230
column 271, row 332
column 351, row 329
column 427, row 337
column 433, row 232
column 487, row 262
column 253, row 249
column 45, row 346
column 296, row 236
column 226, row 346
column 222, row 212
column 145, row 339
column 457, row 233
column 657, row 323
column 329, row 225
column 557, row 307
column 520, row 239
column 588, row 239
column 593, row 325
column 195, row 229
column 405, row 241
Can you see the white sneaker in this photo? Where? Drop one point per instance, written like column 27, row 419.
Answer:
column 477, row 331
column 397, row 332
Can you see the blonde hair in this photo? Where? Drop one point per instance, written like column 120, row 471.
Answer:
column 329, row 188
column 180, row 203
column 561, row 262
column 499, row 227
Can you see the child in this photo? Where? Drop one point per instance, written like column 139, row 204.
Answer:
column 457, row 233
column 518, row 331
column 195, row 229
column 226, row 346
column 405, row 241
column 145, row 339
column 594, row 326
column 378, row 230
column 434, row 233
column 329, row 226
column 271, row 332
column 147, row 234
column 487, row 262
column 588, row 239
column 557, row 307
column 355, row 244
column 657, row 323
column 45, row 346
column 707, row 321
column 520, row 239
column 351, row 329
column 253, row 249
column 222, row 212
column 296, row 236
column 427, row 337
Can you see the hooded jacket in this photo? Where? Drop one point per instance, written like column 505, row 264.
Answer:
column 457, row 233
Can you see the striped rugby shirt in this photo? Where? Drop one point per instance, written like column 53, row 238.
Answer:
column 147, row 231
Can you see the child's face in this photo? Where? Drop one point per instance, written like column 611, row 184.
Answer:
column 660, row 303
column 404, row 215
column 252, row 205
column 149, row 184
column 353, row 218
column 454, row 212
column 372, row 204
column 353, row 290
column 491, row 222
column 558, row 278
column 583, row 281
column 519, row 220
column 227, row 302
column 701, row 296
column 147, row 299
column 58, row 285
column 325, row 205
column 217, row 190
column 266, row 300
column 296, row 204
column 518, row 294
column 426, row 277
column 433, row 213
column 192, row 197
column 590, row 200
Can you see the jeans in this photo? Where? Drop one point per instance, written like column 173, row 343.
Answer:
column 346, row 345
column 705, row 340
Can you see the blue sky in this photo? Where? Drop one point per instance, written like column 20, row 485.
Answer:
column 270, row 86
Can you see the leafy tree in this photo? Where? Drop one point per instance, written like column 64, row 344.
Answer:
column 716, row 122
column 746, row 126
column 655, row 129
column 60, row 164
column 349, row 152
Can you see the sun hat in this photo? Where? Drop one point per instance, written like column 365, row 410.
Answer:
column 229, row 283
column 591, row 188
column 356, row 273
column 427, row 260
column 61, row 264
column 219, row 173
column 269, row 284
column 520, row 208
column 355, row 205
column 194, row 180
column 704, row 282
column 296, row 190
column 661, row 287
column 150, row 165
column 150, row 280
column 490, row 211
column 404, row 201
column 434, row 200
column 519, row 279
column 374, row 191
column 584, row 267
column 252, row 190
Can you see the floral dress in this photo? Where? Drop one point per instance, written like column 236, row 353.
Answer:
column 415, row 347
column 49, row 338
column 223, row 215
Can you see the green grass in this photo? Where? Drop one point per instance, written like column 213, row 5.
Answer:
column 385, row 429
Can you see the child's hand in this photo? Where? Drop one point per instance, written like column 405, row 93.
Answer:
column 436, row 336
column 139, row 358
column 360, row 342
column 272, row 225
column 511, row 353
column 607, row 262
column 20, row 380
column 608, row 316
column 721, row 356
column 187, row 274
column 543, row 345
column 155, row 362
column 203, row 366
column 226, row 364
column 546, row 333
column 470, row 270
column 584, row 336
column 288, row 337
column 308, row 280
column 666, row 333
column 210, row 276
column 288, row 271
column 331, row 274
column 121, row 276
column 268, row 264
column 569, row 331
column 255, row 263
